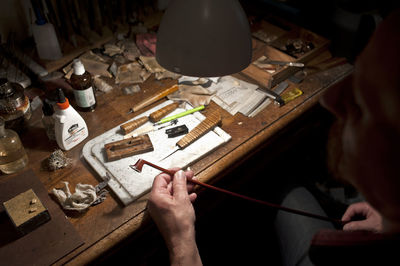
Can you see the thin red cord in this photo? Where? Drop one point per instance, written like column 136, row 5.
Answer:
column 139, row 165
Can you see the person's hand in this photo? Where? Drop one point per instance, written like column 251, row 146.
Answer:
column 170, row 206
column 372, row 219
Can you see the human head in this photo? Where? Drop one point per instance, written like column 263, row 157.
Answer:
column 367, row 107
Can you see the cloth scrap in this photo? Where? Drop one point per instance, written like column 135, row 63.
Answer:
column 81, row 200
column 146, row 42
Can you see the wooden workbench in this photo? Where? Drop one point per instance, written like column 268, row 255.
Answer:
column 106, row 225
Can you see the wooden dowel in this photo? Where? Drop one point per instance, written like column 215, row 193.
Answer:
column 132, row 125
column 154, row 98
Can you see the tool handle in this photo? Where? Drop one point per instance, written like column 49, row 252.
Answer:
column 170, row 118
column 155, row 98
column 157, row 115
column 205, row 126
column 132, row 125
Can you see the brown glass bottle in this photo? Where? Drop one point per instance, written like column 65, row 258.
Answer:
column 82, row 83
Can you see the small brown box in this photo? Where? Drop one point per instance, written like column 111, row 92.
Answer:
column 26, row 212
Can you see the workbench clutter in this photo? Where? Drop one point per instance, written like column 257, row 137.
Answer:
column 34, row 229
column 26, row 212
column 84, row 196
column 106, row 153
column 70, row 128
column 122, row 69
column 13, row 157
column 15, row 107
column 57, row 160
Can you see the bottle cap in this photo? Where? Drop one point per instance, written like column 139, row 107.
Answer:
column 47, row 108
column 40, row 20
column 79, row 69
column 62, row 101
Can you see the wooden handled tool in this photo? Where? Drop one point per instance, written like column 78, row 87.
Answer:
column 211, row 121
column 132, row 125
column 154, row 98
column 153, row 117
column 157, row 115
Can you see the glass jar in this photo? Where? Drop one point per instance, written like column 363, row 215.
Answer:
column 12, row 153
column 15, row 107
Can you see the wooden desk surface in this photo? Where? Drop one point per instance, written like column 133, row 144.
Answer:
column 104, row 226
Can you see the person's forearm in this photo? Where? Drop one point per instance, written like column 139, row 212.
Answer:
column 185, row 254
column 183, row 249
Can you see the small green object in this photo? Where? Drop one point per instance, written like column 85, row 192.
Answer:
column 167, row 119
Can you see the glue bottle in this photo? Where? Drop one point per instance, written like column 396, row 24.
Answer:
column 70, row 128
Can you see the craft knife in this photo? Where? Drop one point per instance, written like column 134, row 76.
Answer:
column 273, row 95
column 195, row 83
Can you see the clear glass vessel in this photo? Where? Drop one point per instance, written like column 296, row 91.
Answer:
column 12, row 153
column 14, row 105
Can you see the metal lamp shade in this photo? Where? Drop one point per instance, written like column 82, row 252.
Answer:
column 204, row 38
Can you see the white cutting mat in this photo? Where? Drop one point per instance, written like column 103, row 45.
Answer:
column 126, row 183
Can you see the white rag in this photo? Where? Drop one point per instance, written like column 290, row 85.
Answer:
column 81, row 200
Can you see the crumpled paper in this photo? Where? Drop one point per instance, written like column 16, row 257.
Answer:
column 195, row 95
column 151, row 65
column 93, row 63
column 84, row 196
column 131, row 73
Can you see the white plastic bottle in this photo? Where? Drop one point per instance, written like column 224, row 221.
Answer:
column 70, row 128
column 45, row 36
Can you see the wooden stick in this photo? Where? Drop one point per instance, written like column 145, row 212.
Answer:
column 154, row 98
column 157, row 115
column 139, row 165
column 132, row 125
column 153, row 117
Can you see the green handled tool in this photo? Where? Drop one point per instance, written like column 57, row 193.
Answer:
column 167, row 119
